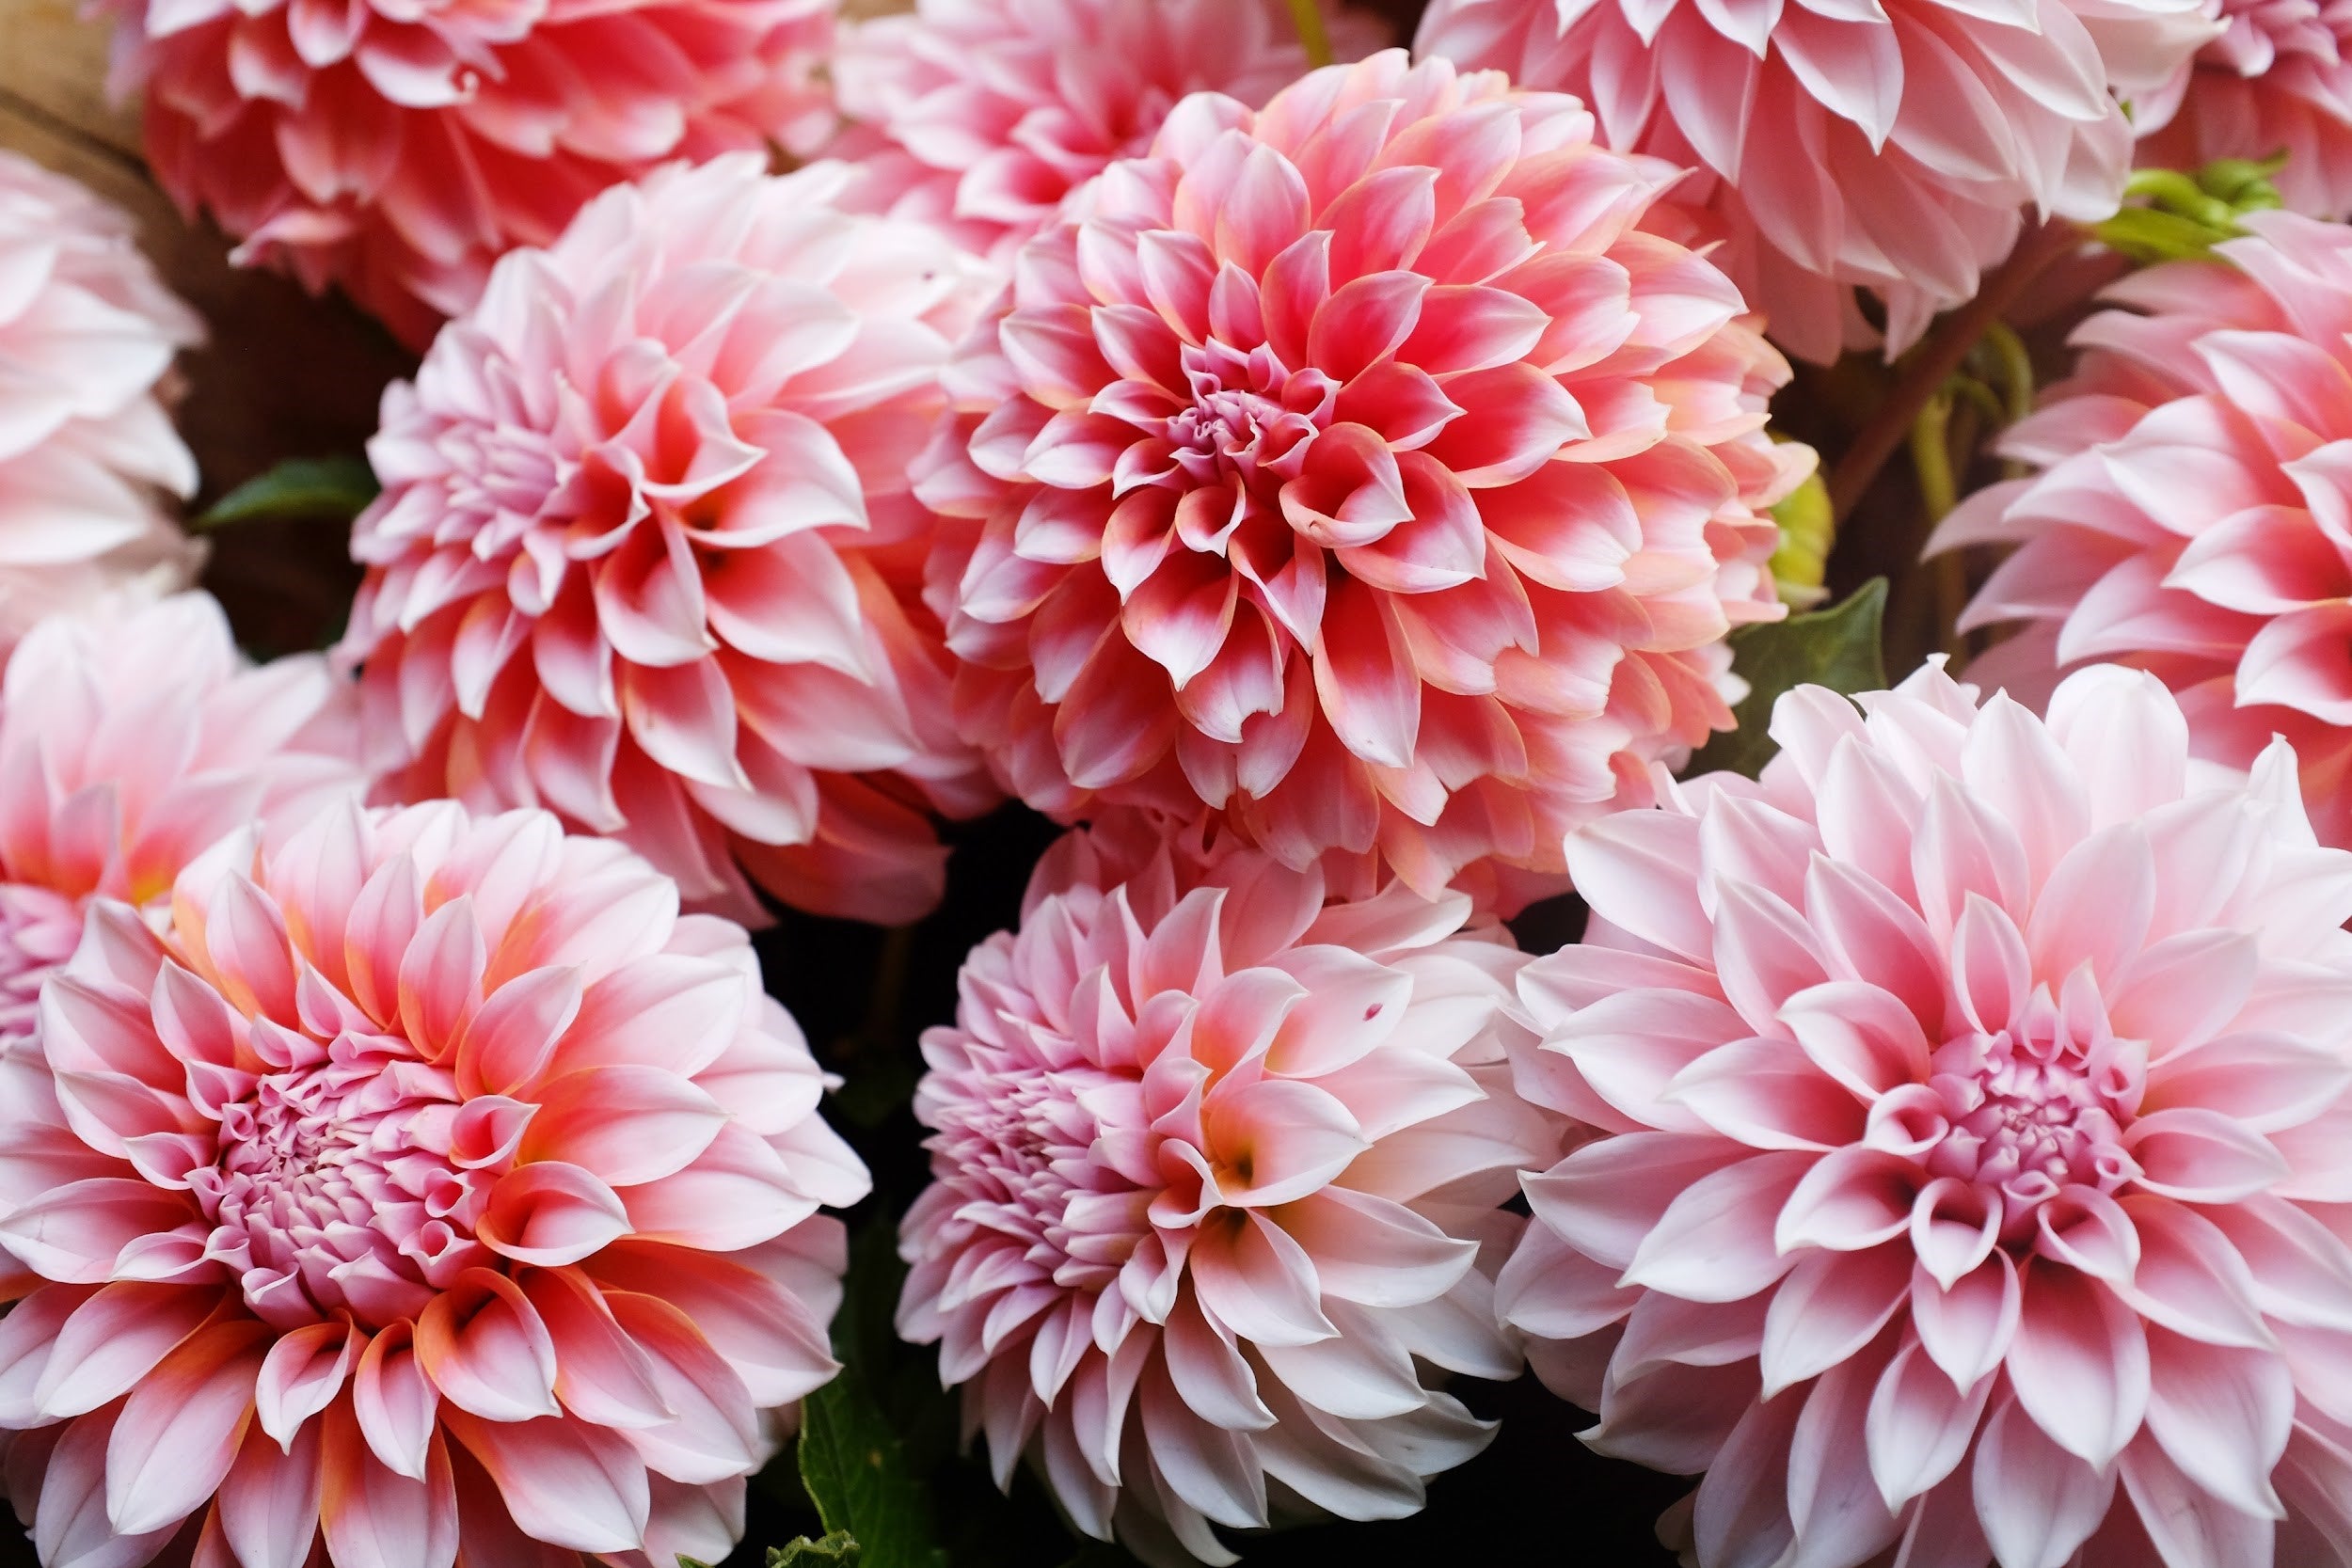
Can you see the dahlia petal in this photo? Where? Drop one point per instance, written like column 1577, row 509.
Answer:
column 1767, row 1094
column 1828, row 1307
column 1711, row 1243
column 713, row 1434
column 628, row 1124
column 268, row 1510
column 1920, row 1425
column 485, row 1350
column 2201, row 1155
column 370, row 1514
column 2035, row 1501
column 72, row 1524
column 2221, row 1415
column 1848, row 1200
column 1859, row 1035
column 300, row 1377
column 511, row 1039
column 394, row 1402
column 1257, row 1281
column 177, row 1435
column 2078, row 1365
column 565, row 1482
column 550, row 1213
column 111, row 1342
column 2189, row 1278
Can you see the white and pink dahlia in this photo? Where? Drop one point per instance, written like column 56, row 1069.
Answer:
column 133, row 737
column 1971, row 1124
column 983, row 115
column 1218, row 1164
column 1895, row 148
column 397, row 148
column 646, row 555
column 1363, row 470
column 2193, row 514
column 87, row 336
column 431, row 1190
column 2277, row 80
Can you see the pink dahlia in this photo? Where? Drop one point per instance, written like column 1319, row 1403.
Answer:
column 2277, row 80
column 397, row 148
column 646, row 557
column 88, row 334
column 1216, row 1172
column 1361, row 469
column 132, row 736
column 2193, row 516
column 1970, row 1102
column 1892, row 148
column 983, row 114
column 430, row 1187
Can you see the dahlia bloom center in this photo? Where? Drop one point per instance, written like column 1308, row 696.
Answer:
column 1251, row 417
column 336, row 1189
column 2027, row 1114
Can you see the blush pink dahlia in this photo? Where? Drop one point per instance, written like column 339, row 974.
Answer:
column 1361, row 469
column 1970, row 1108
column 1891, row 148
column 646, row 554
column 132, row 736
column 2194, row 511
column 2277, row 80
column 88, row 334
column 397, row 148
column 1216, row 1172
column 431, row 1187
column 983, row 114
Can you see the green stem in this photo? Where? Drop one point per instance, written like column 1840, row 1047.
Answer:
column 1932, row 457
column 2016, row 367
column 1307, row 18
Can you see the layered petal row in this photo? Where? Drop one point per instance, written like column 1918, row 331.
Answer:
column 397, row 148
column 2192, row 515
column 1893, row 148
column 1969, row 1105
column 2274, row 81
column 646, row 557
column 1360, row 469
column 982, row 116
column 1217, row 1162
column 87, row 454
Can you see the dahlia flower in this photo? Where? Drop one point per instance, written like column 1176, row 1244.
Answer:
column 430, row 1186
column 397, row 148
column 2274, row 81
column 1892, row 148
column 983, row 114
column 1970, row 1102
column 1216, row 1166
column 88, row 334
column 1361, row 469
column 2193, row 516
column 646, row 554
column 132, row 736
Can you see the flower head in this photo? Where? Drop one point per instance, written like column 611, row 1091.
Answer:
column 1361, row 469
column 983, row 115
column 2194, row 511
column 1968, row 1104
column 646, row 554
column 397, row 148
column 88, row 334
column 2277, row 80
column 429, row 1179
column 1892, row 148
column 132, row 736
column 1216, row 1166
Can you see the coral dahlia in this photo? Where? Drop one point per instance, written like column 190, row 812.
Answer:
column 88, row 334
column 983, row 114
column 2194, row 511
column 1362, row 468
column 397, row 148
column 1888, row 148
column 2277, row 80
column 132, row 736
column 1217, row 1170
column 430, row 1189
column 1971, row 1100
column 646, row 554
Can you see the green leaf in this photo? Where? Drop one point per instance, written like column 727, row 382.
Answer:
column 852, row 1460
column 337, row 487
column 1837, row 647
column 839, row 1549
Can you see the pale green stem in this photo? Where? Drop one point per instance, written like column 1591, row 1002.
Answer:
column 1307, row 18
